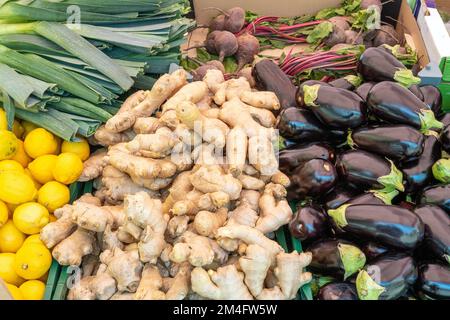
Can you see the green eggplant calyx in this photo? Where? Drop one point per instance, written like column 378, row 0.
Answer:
column 386, row 197
column 281, row 143
column 355, row 81
column 447, row 258
column 338, row 215
column 353, row 259
column 431, row 133
column 350, row 141
column 428, row 121
column 310, row 94
column 441, row 170
column 406, row 78
column 367, row 288
column 392, row 181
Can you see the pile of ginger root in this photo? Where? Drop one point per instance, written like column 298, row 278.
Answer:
column 173, row 218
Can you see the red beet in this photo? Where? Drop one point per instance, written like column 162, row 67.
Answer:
column 248, row 48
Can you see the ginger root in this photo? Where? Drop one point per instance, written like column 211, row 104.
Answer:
column 261, row 99
column 212, row 179
column 213, row 79
column 146, row 125
column 157, row 145
column 107, row 138
column 150, row 285
column 93, row 167
column 71, row 250
column 193, row 248
column 255, row 265
column 206, row 223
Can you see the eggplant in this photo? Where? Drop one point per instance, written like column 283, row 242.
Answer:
column 434, row 280
column 309, row 223
column 301, row 125
column 374, row 197
column 388, row 277
column 393, row 103
column 438, row 195
column 432, row 97
column 377, row 65
column 445, row 119
column 314, row 178
column 437, row 230
column 397, row 142
column 292, row 157
column 363, row 90
column 368, row 171
column 338, row 196
column 386, row 224
column 415, row 90
column 338, row 291
column 418, row 172
column 337, row 258
column 350, row 82
column 373, row 250
column 441, row 170
column 334, row 107
column 318, row 281
column 445, row 139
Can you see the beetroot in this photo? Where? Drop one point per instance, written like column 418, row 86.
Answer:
column 340, row 22
column 199, row 73
column 218, row 23
column 386, row 35
column 335, row 37
column 233, row 19
column 225, row 44
column 248, row 48
column 353, row 37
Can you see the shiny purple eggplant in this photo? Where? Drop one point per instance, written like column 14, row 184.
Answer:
column 432, row 97
column 338, row 291
column 386, row 224
column 338, row 196
column 334, row 107
column 393, row 103
column 388, row 277
column 364, row 89
column 438, row 195
column 434, row 281
column 337, row 258
column 369, row 171
column 418, row 172
column 376, row 64
column 374, row 197
column 437, row 230
column 314, row 178
column 293, row 157
column 397, row 142
column 373, row 250
column 350, row 82
column 309, row 223
column 445, row 139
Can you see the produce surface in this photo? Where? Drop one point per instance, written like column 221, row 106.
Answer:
column 135, row 165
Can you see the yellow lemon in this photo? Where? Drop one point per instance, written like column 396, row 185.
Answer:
column 53, row 195
column 10, row 165
column 80, row 148
column 4, row 213
column 15, row 292
column 31, row 217
column 68, row 168
column 41, row 168
column 40, row 142
column 32, row 261
column 8, row 144
column 11, row 208
column 21, row 156
column 17, row 129
column 16, row 187
column 28, row 126
column 34, row 238
column 32, row 290
column 7, row 272
column 3, row 121
column 11, row 238
column 36, row 183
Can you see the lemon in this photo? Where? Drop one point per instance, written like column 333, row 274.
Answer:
column 10, row 165
column 17, row 129
column 36, row 183
column 53, row 195
column 32, row 290
column 4, row 213
column 68, row 168
column 3, row 121
column 44, row 278
column 40, row 142
column 34, row 238
column 32, row 261
column 11, row 208
column 15, row 292
column 21, row 156
column 16, row 187
column 7, row 272
column 31, row 217
column 41, row 168
column 11, row 238
column 8, row 144
column 80, row 148
column 28, row 126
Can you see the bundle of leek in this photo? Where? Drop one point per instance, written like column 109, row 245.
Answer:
column 68, row 77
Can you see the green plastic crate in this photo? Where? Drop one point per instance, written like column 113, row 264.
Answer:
column 444, row 87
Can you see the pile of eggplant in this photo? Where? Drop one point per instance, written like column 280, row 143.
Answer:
column 371, row 179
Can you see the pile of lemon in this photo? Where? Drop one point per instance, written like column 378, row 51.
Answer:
column 35, row 169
